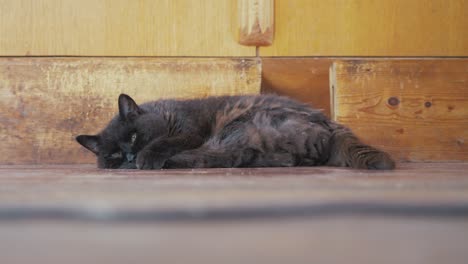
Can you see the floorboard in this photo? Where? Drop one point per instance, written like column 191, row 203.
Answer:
column 77, row 214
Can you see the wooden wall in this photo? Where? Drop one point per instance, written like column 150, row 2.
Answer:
column 310, row 35
column 210, row 28
column 120, row 28
column 113, row 46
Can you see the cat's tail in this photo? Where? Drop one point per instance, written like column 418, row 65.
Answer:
column 348, row 151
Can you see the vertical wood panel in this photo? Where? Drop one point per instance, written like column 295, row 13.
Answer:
column 304, row 79
column 46, row 102
column 120, row 28
column 370, row 28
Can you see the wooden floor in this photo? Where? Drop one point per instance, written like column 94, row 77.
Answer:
column 79, row 214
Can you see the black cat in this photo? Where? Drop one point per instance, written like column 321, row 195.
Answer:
column 227, row 131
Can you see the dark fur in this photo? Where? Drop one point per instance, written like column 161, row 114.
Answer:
column 228, row 131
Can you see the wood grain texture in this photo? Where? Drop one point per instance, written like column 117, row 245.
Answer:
column 304, row 79
column 256, row 22
column 41, row 186
column 415, row 109
column 120, row 28
column 46, row 102
column 369, row 28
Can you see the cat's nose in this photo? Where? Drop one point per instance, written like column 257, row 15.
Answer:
column 130, row 157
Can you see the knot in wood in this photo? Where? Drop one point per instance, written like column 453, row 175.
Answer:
column 393, row 101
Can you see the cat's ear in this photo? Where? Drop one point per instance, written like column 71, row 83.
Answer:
column 128, row 109
column 90, row 142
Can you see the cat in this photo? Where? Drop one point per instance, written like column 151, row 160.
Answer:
column 227, row 131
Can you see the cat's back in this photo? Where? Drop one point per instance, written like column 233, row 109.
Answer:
column 212, row 105
column 274, row 105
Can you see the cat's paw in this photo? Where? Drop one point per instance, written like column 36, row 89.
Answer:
column 150, row 160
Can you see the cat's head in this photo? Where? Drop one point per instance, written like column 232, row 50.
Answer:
column 117, row 146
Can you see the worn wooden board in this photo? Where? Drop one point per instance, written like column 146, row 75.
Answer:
column 120, row 28
column 369, row 28
column 416, row 109
column 304, row 79
column 45, row 102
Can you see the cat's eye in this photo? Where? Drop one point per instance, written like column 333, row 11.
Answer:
column 116, row 155
column 133, row 138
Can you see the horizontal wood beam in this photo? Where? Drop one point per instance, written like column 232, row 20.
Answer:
column 415, row 109
column 46, row 102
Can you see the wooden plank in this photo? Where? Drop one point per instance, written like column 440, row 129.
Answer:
column 199, row 190
column 304, row 79
column 45, row 102
column 369, row 28
column 415, row 109
column 120, row 28
column 256, row 20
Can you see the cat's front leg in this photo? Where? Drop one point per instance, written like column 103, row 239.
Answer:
column 155, row 154
column 150, row 160
column 202, row 158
